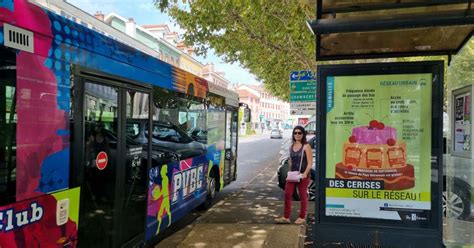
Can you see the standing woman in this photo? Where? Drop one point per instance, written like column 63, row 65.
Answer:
column 301, row 157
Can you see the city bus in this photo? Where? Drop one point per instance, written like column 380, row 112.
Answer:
column 101, row 145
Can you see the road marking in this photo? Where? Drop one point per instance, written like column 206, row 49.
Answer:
column 250, row 161
column 273, row 177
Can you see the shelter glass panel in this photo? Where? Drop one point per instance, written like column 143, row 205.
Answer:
column 458, row 160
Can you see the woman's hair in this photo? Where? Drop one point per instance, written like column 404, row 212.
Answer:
column 303, row 139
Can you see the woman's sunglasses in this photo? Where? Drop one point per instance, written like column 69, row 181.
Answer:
column 297, row 133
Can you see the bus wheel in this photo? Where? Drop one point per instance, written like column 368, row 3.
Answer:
column 211, row 192
column 211, row 187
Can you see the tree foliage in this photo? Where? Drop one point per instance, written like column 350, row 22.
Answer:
column 460, row 70
column 270, row 38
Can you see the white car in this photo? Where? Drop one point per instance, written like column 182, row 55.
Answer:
column 276, row 134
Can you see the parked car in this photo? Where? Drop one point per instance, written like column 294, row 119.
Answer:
column 283, row 169
column 167, row 139
column 276, row 134
column 198, row 134
column 459, row 198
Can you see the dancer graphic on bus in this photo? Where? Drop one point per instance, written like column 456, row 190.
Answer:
column 164, row 192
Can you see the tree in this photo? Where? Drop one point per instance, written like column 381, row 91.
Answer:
column 270, row 38
column 460, row 71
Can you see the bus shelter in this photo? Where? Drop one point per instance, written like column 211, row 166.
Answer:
column 395, row 162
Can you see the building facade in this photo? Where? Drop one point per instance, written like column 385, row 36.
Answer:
column 180, row 54
column 97, row 23
column 251, row 97
column 210, row 74
column 273, row 109
column 168, row 52
column 188, row 62
column 267, row 110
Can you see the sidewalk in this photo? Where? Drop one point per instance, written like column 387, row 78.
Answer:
column 244, row 219
column 240, row 223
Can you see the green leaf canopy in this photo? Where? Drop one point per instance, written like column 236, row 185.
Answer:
column 270, row 38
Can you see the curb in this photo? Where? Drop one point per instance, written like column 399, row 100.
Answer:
column 302, row 236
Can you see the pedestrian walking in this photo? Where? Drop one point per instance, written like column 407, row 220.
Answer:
column 299, row 165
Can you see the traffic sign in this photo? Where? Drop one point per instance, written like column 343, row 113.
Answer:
column 302, row 112
column 303, row 108
column 303, row 86
column 101, row 160
column 302, row 97
column 302, row 93
column 302, row 75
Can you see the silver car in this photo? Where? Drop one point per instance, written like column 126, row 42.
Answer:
column 276, row 134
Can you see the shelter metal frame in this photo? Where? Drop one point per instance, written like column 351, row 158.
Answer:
column 326, row 23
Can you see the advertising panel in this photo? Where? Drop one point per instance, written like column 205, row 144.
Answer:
column 44, row 221
column 302, row 121
column 174, row 188
column 378, row 166
column 462, row 124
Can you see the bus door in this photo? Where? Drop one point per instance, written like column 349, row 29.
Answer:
column 114, row 165
column 235, row 139
column 230, row 146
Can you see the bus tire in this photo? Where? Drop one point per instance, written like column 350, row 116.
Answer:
column 212, row 188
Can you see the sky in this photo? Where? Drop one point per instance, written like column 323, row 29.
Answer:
column 144, row 12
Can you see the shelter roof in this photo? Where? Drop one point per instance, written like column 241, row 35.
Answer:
column 354, row 29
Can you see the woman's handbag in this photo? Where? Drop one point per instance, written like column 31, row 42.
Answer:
column 295, row 176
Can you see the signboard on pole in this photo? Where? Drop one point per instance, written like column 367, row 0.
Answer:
column 382, row 141
column 302, row 93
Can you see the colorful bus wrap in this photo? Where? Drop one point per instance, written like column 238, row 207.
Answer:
column 101, row 145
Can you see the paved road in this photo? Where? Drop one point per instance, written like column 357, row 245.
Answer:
column 254, row 188
column 254, row 155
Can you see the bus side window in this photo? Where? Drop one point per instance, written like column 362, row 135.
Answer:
column 176, row 116
column 8, row 120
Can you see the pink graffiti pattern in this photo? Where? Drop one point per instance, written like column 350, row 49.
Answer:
column 37, row 111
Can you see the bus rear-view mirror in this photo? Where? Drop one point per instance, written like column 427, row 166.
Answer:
column 247, row 115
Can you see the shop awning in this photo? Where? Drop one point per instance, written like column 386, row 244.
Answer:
column 355, row 29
